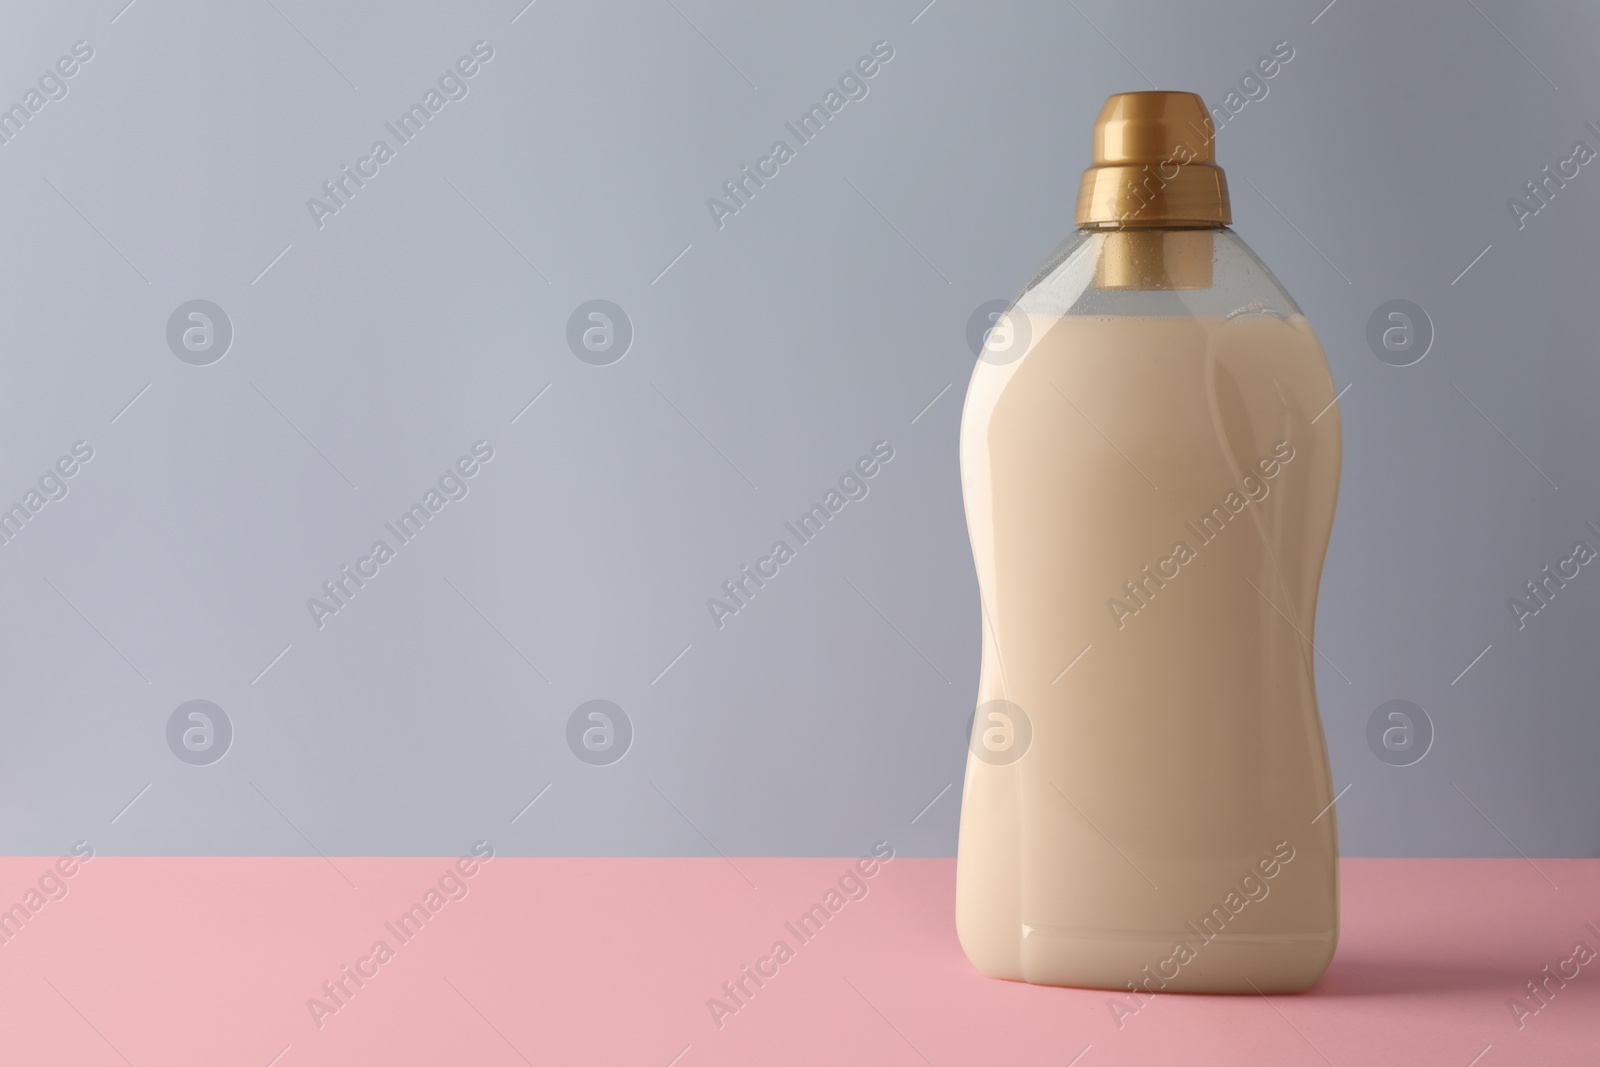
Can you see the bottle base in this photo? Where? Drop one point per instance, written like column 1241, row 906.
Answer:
column 1150, row 962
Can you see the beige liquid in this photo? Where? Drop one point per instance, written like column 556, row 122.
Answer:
column 1180, row 759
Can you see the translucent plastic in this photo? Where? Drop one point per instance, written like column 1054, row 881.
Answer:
column 1150, row 476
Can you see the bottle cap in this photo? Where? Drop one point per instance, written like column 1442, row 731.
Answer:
column 1153, row 165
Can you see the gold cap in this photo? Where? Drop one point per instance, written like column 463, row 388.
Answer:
column 1153, row 165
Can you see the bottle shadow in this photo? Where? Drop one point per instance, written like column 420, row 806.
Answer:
column 1369, row 977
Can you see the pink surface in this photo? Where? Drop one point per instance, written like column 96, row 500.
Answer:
column 151, row 961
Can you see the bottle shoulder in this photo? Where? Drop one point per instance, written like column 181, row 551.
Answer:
column 1204, row 272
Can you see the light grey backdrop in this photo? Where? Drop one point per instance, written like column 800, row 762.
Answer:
column 371, row 352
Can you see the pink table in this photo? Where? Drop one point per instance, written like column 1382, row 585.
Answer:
column 209, row 961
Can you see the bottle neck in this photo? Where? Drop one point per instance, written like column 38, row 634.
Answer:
column 1178, row 257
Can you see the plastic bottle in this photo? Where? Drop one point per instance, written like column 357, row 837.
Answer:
column 1150, row 456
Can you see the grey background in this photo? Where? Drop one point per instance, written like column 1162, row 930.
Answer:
column 825, row 316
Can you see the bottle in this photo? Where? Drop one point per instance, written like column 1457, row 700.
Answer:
column 1150, row 456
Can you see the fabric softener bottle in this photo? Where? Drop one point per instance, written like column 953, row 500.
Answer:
column 1150, row 456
